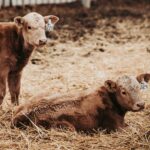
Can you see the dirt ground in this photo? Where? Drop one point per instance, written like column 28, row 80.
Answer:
column 86, row 48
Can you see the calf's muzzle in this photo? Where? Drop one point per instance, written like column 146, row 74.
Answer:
column 42, row 41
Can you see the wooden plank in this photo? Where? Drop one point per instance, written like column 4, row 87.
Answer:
column 38, row 1
column 33, row 2
column 7, row 3
column 19, row 2
column 86, row 3
column 14, row 2
column 0, row 4
column 26, row 2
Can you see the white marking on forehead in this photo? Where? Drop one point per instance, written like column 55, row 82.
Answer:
column 129, row 83
column 34, row 19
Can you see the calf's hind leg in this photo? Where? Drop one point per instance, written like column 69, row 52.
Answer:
column 14, row 86
column 3, row 77
column 2, row 88
column 64, row 125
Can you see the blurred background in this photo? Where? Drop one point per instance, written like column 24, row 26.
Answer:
column 81, row 14
column 4, row 3
column 93, row 41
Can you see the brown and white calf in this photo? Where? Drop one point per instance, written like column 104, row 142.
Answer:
column 103, row 108
column 17, row 41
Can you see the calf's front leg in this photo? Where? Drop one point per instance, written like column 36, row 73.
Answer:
column 14, row 81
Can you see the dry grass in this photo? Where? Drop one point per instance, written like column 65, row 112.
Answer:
column 135, row 136
column 117, row 45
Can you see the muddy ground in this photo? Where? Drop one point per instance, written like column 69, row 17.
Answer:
column 86, row 48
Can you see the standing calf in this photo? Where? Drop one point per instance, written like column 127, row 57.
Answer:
column 104, row 108
column 17, row 41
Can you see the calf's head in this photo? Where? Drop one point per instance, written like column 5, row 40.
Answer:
column 127, row 92
column 33, row 27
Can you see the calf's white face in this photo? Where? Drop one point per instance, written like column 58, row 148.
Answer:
column 127, row 91
column 131, row 92
column 33, row 27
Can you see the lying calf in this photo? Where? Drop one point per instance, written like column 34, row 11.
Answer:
column 104, row 108
column 18, row 39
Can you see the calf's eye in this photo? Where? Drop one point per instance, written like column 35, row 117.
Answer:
column 29, row 27
column 123, row 93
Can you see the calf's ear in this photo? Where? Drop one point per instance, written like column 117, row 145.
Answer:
column 52, row 18
column 143, row 77
column 111, row 86
column 19, row 21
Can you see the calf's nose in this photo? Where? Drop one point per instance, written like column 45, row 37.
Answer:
column 42, row 41
column 141, row 105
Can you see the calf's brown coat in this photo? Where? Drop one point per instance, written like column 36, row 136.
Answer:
column 104, row 108
column 17, row 41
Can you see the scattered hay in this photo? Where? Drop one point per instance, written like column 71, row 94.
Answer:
column 91, row 46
